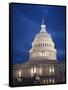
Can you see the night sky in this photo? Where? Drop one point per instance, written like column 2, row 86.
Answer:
column 26, row 24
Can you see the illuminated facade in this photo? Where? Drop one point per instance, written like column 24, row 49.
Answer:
column 43, row 65
column 43, row 46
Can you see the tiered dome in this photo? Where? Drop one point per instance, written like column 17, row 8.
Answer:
column 43, row 46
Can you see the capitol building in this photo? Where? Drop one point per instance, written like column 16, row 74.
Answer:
column 43, row 46
column 43, row 67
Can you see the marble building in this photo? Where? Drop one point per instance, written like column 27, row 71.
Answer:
column 43, row 65
column 43, row 46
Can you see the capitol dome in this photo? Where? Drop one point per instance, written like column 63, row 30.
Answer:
column 43, row 46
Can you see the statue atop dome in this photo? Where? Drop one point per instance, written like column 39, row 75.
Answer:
column 43, row 26
column 43, row 21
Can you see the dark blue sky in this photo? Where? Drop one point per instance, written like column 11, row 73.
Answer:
column 26, row 24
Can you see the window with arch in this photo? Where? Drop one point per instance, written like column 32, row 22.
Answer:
column 51, row 70
column 19, row 73
column 53, row 81
column 50, row 81
column 43, row 44
column 33, row 70
column 39, row 44
column 45, row 53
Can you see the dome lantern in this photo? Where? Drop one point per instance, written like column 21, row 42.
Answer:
column 43, row 26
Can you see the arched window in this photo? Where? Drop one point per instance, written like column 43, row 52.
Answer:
column 53, row 69
column 40, row 70
column 44, row 81
column 53, row 81
column 19, row 73
column 47, row 81
column 43, row 44
column 50, row 81
column 47, row 44
column 45, row 53
column 39, row 44
column 33, row 70
column 50, row 70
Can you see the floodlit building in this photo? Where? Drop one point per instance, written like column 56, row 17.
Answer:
column 43, row 46
column 43, row 64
